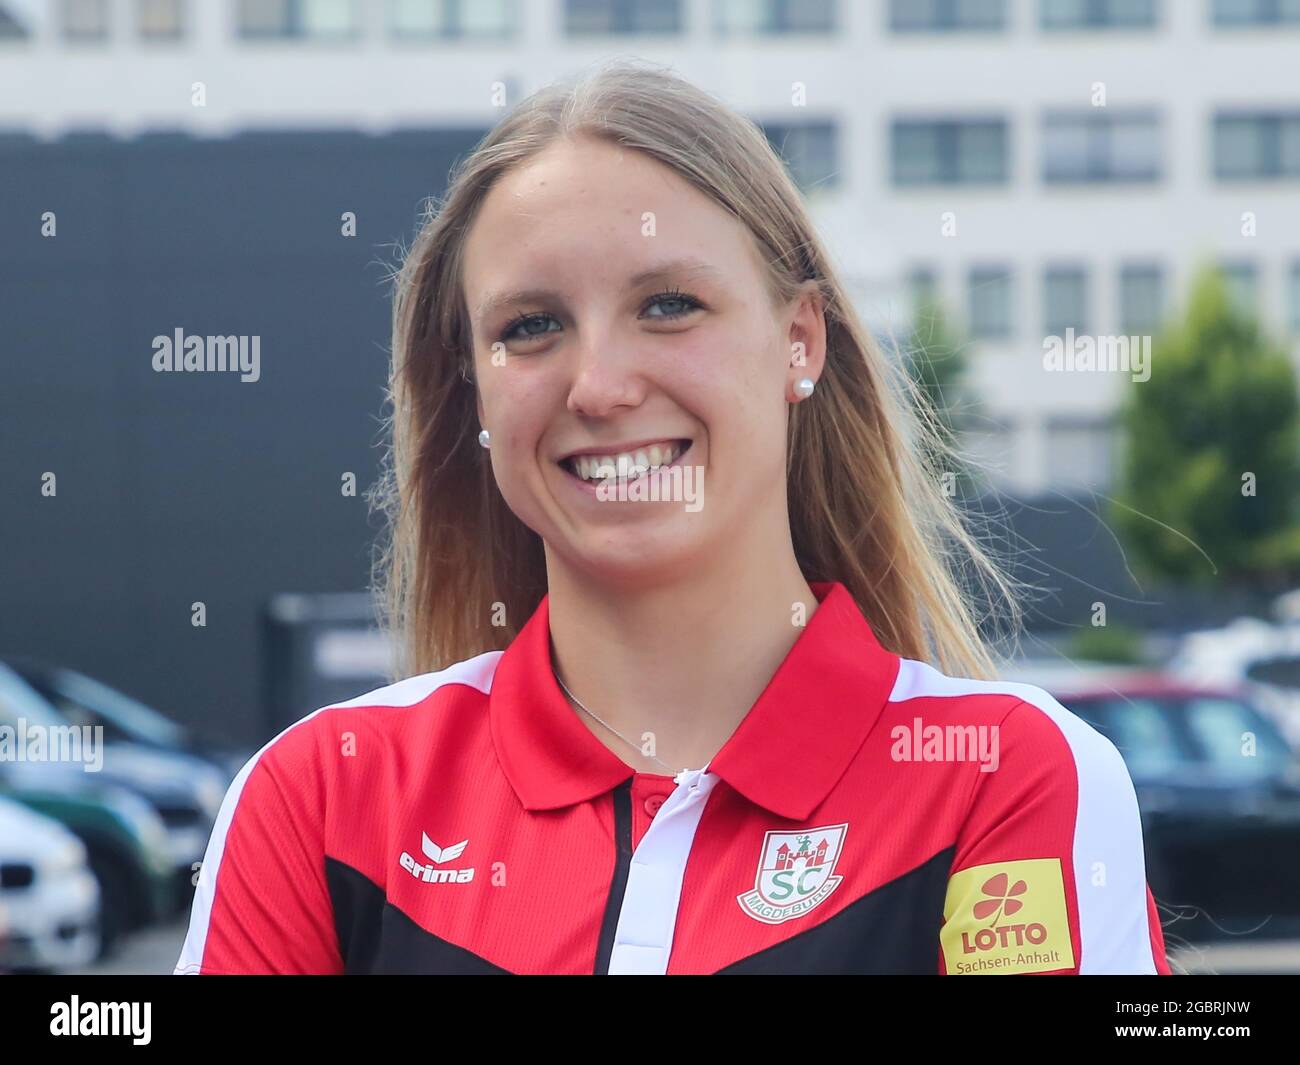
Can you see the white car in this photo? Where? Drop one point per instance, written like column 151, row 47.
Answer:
column 48, row 896
column 1262, row 658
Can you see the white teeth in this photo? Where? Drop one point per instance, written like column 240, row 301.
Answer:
column 624, row 465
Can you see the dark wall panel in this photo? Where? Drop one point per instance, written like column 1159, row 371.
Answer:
column 180, row 487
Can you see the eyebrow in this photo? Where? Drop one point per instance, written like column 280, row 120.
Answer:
column 663, row 271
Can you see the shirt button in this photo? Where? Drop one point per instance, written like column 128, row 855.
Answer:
column 653, row 803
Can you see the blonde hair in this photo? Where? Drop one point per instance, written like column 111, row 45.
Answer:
column 866, row 508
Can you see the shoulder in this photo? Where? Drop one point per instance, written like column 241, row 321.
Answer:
column 303, row 744
column 1033, row 727
column 1051, row 817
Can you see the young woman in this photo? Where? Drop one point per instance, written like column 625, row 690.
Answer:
column 694, row 684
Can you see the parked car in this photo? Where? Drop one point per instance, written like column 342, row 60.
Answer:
column 124, row 839
column 48, row 893
column 83, row 700
column 184, row 790
column 1218, row 787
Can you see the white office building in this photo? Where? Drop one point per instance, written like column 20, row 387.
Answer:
column 1039, row 165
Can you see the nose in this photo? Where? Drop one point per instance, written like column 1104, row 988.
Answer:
column 605, row 377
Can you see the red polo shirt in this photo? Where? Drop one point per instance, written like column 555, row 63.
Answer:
column 869, row 815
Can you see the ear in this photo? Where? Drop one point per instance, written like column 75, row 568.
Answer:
column 806, row 337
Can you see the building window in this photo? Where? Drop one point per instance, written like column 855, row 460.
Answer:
column 1102, row 146
column 1097, row 14
column 774, row 16
column 85, row 20
column 991, row 446
column 303, row 19
column 955, row 152
column 1256, row 12
column 1065, row 300
column 1257, row 145
column 1080, row 452
column 990, row 302
column 451, row 18
column 929, row 16
column 14, row 25
column 586, row 17
column 809, row 150
column 922, row 287
column 159, row 20
column 1241, row 280
column 1141, row 298
column 1294, row 285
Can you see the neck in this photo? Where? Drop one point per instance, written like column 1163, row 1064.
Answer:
column 683, row 660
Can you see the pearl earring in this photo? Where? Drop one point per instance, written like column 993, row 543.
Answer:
column 483, row 439
column 804, row 387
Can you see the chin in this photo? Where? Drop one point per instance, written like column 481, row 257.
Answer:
column 630, row 556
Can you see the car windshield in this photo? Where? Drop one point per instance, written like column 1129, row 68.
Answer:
column 1234, row 738
column 1140, row 729
column 89, row 702
column 19, row 702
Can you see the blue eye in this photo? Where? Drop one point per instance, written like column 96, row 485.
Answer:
column 689, row 303
column 525, row 321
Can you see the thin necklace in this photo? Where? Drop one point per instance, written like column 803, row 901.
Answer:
column 578, row 702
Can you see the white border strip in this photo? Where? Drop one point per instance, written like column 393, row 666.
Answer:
column 647, row 919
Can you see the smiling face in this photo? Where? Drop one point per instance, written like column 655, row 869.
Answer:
column 627, row 341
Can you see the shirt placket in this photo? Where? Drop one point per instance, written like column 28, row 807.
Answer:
column 648, row 917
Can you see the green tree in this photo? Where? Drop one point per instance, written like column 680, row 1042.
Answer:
column 1211, row 462
column 936, row 364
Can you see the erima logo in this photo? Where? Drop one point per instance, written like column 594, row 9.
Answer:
column 430, row 873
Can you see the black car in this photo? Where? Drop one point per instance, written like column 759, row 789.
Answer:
column 1219, row 791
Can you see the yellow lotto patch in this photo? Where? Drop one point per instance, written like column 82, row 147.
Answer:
column 1007, row 917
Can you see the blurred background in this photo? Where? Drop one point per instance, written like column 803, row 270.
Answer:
column 184, row 557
